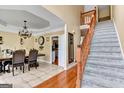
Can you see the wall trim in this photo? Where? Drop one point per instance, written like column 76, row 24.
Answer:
column 118, row 37
column 50, row 31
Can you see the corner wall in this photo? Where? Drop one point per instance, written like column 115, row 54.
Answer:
column 70, row 14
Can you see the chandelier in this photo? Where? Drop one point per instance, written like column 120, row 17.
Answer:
column 24, row 32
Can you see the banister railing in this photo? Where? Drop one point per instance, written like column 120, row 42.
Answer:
column 83, row 49
column 86, row 17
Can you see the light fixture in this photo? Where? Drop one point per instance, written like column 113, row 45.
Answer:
column 24, row 32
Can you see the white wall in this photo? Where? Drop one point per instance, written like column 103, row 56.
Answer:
column 61, row 51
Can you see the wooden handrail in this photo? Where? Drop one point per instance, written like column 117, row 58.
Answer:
column 88, row 12
column 83, row 49
column 85, row 17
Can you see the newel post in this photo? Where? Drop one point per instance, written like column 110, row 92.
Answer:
column 78, row 59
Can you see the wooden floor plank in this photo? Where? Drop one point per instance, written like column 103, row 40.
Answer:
column 65, row 79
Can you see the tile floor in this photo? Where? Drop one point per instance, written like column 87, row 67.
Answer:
column 30, row 78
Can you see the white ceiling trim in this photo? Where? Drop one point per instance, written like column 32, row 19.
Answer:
column 53, row 30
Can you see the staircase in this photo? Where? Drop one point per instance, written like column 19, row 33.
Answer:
column 105, row 66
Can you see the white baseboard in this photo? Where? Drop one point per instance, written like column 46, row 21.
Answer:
column 118, row 37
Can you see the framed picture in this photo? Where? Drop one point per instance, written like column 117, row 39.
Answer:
column 1, row 40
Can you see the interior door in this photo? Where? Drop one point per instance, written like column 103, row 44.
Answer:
column 104, row 12
column 70, row 47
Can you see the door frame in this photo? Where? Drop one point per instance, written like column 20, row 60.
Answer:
column 68, row 46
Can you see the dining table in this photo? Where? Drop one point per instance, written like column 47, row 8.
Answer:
column 4, row 58
column 9, row 57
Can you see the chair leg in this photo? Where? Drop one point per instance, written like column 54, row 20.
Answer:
column 13, row 70
column 4, row 69
column 36, row 65
column 8, row 68
column 1, row 68
column 23, row 68
column 20, row 67
column 28, row 67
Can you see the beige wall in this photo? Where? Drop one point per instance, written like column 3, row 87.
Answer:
column 70, row 14
column 12, row 41
column 47, row 44
column 118, row 16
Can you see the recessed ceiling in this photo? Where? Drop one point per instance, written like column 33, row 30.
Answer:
column 17, row 17
column 38, row 18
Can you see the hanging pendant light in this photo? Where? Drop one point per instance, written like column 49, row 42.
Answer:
column 24, row 32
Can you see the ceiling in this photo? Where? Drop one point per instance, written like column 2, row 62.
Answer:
column 16, row 18
column 38, row 18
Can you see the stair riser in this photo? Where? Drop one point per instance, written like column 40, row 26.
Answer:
column 107, row 37
column 104, row 68
column 105, row 33
column 106, row 64
column 105, row 60
column 107, row 57
column 105, row 44
column 105, row 40
column 99, row 30
column 105, row 49
column 104, row 27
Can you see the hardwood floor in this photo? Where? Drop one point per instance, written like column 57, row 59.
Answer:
column 66, row 79
column 56, row 61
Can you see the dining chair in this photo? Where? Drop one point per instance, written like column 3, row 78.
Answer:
column 1, row 66
column 7, row 62
column 18, row 59
column 32, row 59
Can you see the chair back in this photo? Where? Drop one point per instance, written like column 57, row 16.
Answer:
column 18, row 56
column 33, row 55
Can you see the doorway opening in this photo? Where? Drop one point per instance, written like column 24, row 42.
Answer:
column 55, row 46
column 104, row 12
column 70, row 47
